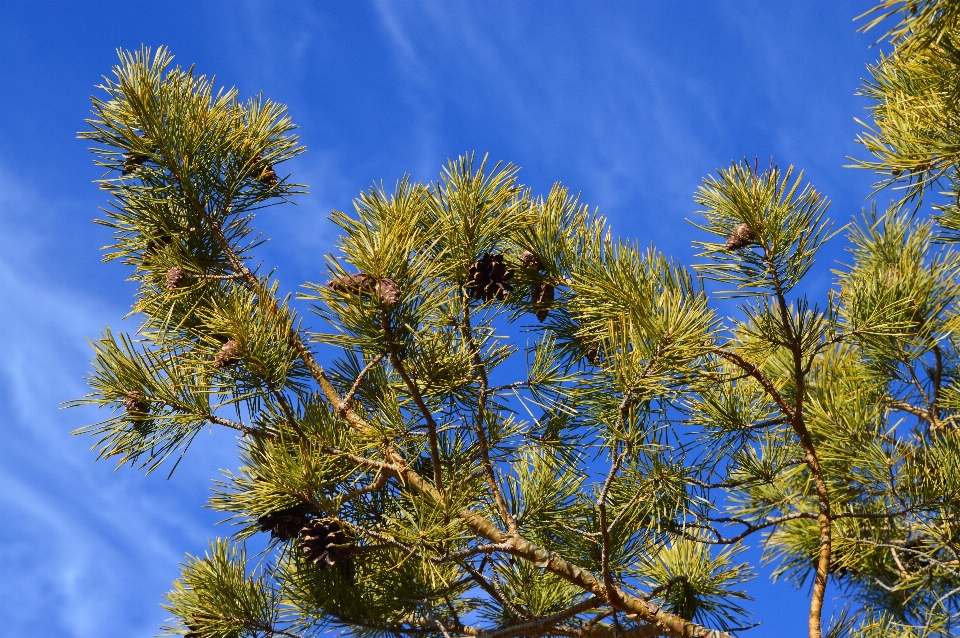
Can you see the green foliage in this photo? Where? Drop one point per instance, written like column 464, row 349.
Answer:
column 599, row 475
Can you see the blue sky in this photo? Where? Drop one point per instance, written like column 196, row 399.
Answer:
column 631, row 103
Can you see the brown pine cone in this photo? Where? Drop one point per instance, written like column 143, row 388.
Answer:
column 741, row 237
column 593, row 354
column 529, row 261
column 175, row 276
column 227, row 355
column 158, row 239
column 541, row 296
column 324, row 543
column 356, row 283
column 488, row 277
column 387, row 289
column 285, row 524
column 132, row 160
column 136, row 406
column 267, row 175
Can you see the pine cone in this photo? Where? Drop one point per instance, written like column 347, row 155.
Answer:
column 529, row 261
column 227, row 355
column 175, row 276
column 136, row 406
column 325, row 543
column 387, row 289
column 741, row 237
column 593, row 354
column 132, row 160
column 488, row 278
column 196, row 625
column 541, row 296
column 357, row 283
column 267, row 176
column 285, row 524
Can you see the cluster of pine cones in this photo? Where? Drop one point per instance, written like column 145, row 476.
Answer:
column 489, row 279
column 323, row 541
column 489, row 276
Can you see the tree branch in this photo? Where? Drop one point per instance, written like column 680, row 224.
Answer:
column 810, row 454
column 543, row 625
column 348, row 399
column 418, row 399
column 755, row 372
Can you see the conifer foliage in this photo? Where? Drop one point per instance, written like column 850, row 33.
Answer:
column 595, row 476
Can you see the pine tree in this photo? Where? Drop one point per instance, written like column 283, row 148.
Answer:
column 428, row 483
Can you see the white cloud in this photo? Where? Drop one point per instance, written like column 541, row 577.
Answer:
column 80, row 547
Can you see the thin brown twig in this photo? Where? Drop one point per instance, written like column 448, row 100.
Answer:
column 217, row 420
column 534, row 627
column 348, row 398
column 376, row 485
column 467, row 331
column 418, row 399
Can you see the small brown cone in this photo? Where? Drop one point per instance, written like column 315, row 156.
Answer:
column 158, row 239
column 356, row 283
column 227, row 355
column 267, row 175
column 741, row 237
column 175, row 277
column 593, row 354
column 136, row 406
column 285, row 524
column 529, row 261
column 387, row 289
column 541, row 295
column 132, row 160
column 488, row 277
column 324, row 543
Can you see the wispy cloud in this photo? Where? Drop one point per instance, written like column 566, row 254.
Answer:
column 80, row 546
